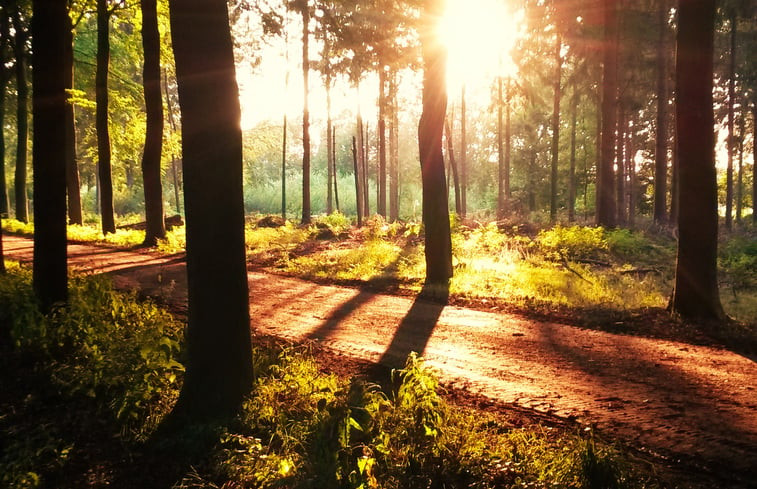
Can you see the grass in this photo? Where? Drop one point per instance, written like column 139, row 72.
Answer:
column 99, row 375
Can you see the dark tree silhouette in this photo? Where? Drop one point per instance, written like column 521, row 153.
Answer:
column 696, row 286
column 101, row 117
column 22, row 117
column 430, row 129
column 605, row 171
column 661, row 130
column 155, row 222
column 219, row 371
column 49, row 273
column 72, row 169
column 5, row 74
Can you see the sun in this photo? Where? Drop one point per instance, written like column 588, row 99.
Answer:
column 479, row 35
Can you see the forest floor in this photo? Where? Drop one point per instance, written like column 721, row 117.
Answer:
column 691, row 407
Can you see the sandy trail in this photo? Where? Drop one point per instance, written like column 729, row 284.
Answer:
column 688, row 402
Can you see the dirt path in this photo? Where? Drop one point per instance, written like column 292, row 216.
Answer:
column 694, row 403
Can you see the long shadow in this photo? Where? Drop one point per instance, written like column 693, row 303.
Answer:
column 415, row 330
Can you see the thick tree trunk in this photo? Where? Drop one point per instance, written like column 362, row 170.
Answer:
column 50, row 273
column 453, row 166
column 555, row 129
column 696, row 286
column 500, row 153
column 606, row 210
column 661, row 133
column 73, row 183
column 731, row 135
column 219, row 372
column 463, row 154
column 305, row 114
column 572, row 171
column 22, row 120
column 154, row 218
column 430, row 128
column 381, row 185
column 101, row 116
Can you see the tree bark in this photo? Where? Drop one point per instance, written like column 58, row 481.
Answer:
column 358, row 184
column 463, row 154
column 754, row 162
column 153, row 187
column 740, row 170
column 508, row 139
column 555, row 129
column 394, row 208
column 606, row 209
column 174, row 159
column 661, row 133
column 101, row 116
column 219, row 371
column 333, row 161
column 329, row 151
column 430, row 128
column 696, row 287
column 731, row 135
column 22, row 120
column 620, row 158
column 572, row 171
column 453, row 166
column 49, row 273
column 500, row 153
column 4, row 79
column 73, row 183
column 381, row 184
column 306, row 213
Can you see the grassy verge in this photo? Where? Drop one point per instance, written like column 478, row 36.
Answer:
column 85, row 386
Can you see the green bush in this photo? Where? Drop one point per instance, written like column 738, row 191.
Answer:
column 575, row 242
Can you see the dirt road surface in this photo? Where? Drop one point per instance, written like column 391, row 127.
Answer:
column 674, row 400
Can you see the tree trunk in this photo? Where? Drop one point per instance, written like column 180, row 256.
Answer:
column 555, row 129
column 435, row 207
column 22, row 120
column 463, row 155
column 500, row 154
column 453, row 166
column 101, row 116
column 73, row 183
column 333, row 161
column 754, row 162
column 174, row 160
column 219, row 372
column 696, row 286
column 154, row 218
column 740, row 170
column 4, row 79
column 305, row 114
column 394, row 208
column 731, row 135
column 358, row 184
column 366, row 187
column 381, row 185
column 50, row 273
column 572, row 171
column 508, row 139
column 606, row 211
column 620, row 158
column 674, row 180
column 329, row 151
column 661, row 135
column 631, row 172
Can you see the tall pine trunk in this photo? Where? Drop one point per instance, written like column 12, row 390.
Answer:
column 394, row 208
column 740, row 170
column 358, row 183
column 500, row 153
column 606, row 209
column 430, row 128
column 22, row 120
column 463, row 154
column 381, row 184
column 661, row 130
column 696, row 296
column 453, row 166
column 219, row 370
column 620, row 158
column 49, row 273
column 731, row 135
column 572, row 170
column 555, row 129
column 508, row 138
column 4, row 79
column 73, row 183
column 101, row 118
column 306, row 213
column 154, row 218
column 329, row 151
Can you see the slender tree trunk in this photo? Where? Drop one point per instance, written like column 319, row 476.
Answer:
column 661, row 135
column 381, row 186
column 153, row 188
column 22, row 120
column 435, row 207
column 101, row 116
column 453, row 166
column 555, row 130
column 674, row 180
column 500, row 153
column 631, row 172
column 329, row 151
column 606, row 211
column 219, row 372
column 305, row 114
column 50, row 272
column 754, row 162
column 366, row 186
column 696, row 294
column 174, row 160
column 4, row 79
column 394, row 213
column 333, row 160
column 731, row 135
column 73, row 184
column 740, row 170
column 508, row 140
column 530, row 182
column 463, row 154
column 284, row 169
column 620, row 158
column 358, row 183
column 572, row 171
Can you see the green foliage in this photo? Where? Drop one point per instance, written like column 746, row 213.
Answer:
column 572, row 242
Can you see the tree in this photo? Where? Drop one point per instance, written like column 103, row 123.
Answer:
column 661, row 132
column 5, row 74
column 219, row 371
column 430, row 129
column 49, row 273
column 731, row 134
column 72, row 168
column 555, row 126
column 103, row 137
column 696, row 296
column 153, row 188
column 304, row 9
column 22, row 116
column 605, row 178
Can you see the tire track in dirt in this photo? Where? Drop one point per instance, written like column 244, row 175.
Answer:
column 696, row 403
